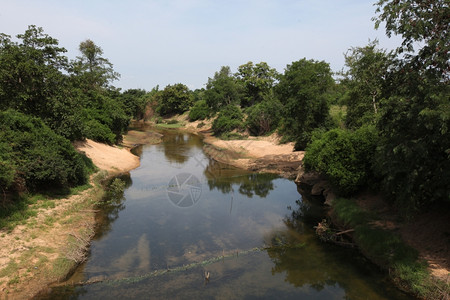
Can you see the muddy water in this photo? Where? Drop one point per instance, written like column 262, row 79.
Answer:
column 183, row 216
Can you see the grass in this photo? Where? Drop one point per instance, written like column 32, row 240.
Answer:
column 350, row 213
column 77, row 190
column 62, row 266
column 169, row 126
column 36, row 258
column 10, row 269
column 16, row 212
column 388, row 250
column 20, row 208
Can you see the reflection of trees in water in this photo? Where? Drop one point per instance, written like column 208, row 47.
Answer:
column 223, row 177
column 299, row 257
column 177, row 145
column 305, row 261
column 109, row 208
column 305, row 265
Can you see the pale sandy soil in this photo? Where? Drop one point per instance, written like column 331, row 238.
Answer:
column 30, row 253
column 109, row 158
column 260, row 154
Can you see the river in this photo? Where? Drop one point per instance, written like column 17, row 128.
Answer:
column 188, row 227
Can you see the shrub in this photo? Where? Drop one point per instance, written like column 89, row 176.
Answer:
column 344, row 156
column 229, row 119
column 36, row 155
column 199, row 111
column 264, row 116
column 99, row 132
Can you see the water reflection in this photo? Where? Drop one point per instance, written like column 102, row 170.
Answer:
column 306, row 262
column 110, row 207
column 249, row 185
column 239, row 211
column 178, row 146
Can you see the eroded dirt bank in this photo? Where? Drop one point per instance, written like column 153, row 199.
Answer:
column 261, row 154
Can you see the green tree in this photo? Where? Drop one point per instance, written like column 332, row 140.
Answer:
column 302, row 90
column 423, row 23
column 135, row 102
column 31, row 75
column 413, row 157
column 344, row 156
column 199, row 111
column 221, row 90
column 365, row 80
column 264, row 116
column 257, row 80
column 174, row 99
column 228, row 119
column 92, row 70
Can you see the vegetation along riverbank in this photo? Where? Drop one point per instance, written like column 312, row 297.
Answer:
column 373, row 140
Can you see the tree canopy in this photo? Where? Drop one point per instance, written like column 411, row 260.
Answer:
column 303, row 91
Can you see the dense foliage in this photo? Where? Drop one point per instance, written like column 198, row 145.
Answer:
column 199, row 111
column 174, row 99
column 391, row 109
column 46, row 101
column 228, row 119
column 256, row 81
column 344, row 156
column 222, row 90
column 264, row 116
column 403, row 97
column 303, row 90
column 365, row 80
column 33, row 157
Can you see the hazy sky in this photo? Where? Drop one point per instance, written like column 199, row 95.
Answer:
column 165, row 42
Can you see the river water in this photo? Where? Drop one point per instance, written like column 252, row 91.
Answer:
column 184, row 217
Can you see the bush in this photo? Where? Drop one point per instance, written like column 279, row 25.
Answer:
column 99, row 132
column 229, row 119
column 199, row 111
column 264, row 116
column 344, row 156
column 36, row 155
column 7, row 166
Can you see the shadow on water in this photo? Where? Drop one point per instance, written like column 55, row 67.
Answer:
column 252, row 232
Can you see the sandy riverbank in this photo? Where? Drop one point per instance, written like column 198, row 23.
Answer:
column 265, row 154
column 258, row 154
column 47, row 246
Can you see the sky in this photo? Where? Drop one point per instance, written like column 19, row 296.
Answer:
column 158, row 42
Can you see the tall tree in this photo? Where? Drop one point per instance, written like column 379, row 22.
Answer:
column 419, row 22
column 257, row 80
column 31, row 71
column 413, row 157
column 91, row 68
column 365, row 80
column 221, row 90
column 303, row 90
column 174, row 99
